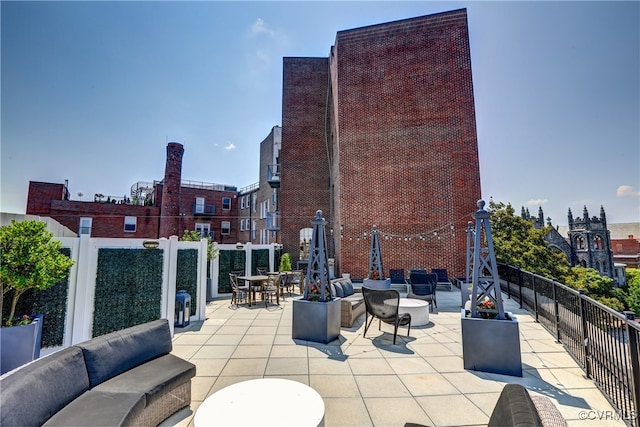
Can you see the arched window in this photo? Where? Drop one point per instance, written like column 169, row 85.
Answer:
column 598, row 266
column 597, row 243
column 579, row 242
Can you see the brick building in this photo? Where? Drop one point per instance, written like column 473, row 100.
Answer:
column 153, row 210
column 383, row 132
column 258, row 210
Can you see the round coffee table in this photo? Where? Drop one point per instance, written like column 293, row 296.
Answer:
column 418, row 309
column 262, row 402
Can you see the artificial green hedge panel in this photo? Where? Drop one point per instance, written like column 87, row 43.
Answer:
column 51, row 303
column 229, row 260
column 260, row 259
column 187, row 275
column 128, row 288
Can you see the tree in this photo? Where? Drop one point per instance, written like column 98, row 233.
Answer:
column 633, row 287
column 194, row 236
column 285, row 262
column 518, row 243
column 29, row 259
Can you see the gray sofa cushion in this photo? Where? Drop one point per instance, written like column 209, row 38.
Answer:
column 347, row 286
column 32, row 396
column 339, row 289
column 514, row 408
column 99, row 408
column 152, row 378
column 111, row 354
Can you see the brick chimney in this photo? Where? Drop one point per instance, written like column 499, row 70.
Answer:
column 170, row 208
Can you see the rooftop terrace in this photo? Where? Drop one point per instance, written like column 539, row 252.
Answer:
column 367, row 381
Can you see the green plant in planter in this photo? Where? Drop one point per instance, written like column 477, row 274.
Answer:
column 285, row 262
column 29, row 259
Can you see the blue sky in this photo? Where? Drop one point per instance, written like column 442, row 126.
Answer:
column 92, row 91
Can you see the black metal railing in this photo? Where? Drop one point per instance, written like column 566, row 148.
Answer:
column 602, row 341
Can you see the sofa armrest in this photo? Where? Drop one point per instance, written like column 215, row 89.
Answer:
column 548, row 413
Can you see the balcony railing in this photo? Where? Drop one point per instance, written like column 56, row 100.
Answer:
column 605, row 343
column 273, row 221
column 204, row 209
column 273, row 175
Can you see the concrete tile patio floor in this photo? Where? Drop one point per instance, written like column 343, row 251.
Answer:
column 368, row 381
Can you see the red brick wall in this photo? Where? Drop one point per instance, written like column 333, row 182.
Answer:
column 188, row 220
column 407, row 142
column 170, row 207
column 40, row 196
column 107, row 218
column 305, row 177
column 403, row 140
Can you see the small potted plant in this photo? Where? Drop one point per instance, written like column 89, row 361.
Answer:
column 29, row 259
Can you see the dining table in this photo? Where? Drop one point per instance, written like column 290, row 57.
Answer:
column 259, row 279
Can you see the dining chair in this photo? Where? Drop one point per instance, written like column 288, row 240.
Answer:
column 383, row 304
column 237, row 292
column 297, row 280
column 423, row 287
column 271, row 288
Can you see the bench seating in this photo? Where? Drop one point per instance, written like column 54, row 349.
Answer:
column 127, row 377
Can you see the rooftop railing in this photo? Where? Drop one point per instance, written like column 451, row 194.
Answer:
column 603, row 342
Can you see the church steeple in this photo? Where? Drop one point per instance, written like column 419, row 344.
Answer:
column 570, row 217
column 603, row 216
column 585, row 215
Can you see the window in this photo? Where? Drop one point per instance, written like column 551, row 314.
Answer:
column 241, row 202
column 579, row 242
column 253, row 231
column 203, row 229
column 274, row 198
column 264, row 208
column 226, row 203
column 253, row 204
column 199, row 205
column 85, row 226
column 130, row 224
column 225, row 228
column 597, row 243
column 242, row 225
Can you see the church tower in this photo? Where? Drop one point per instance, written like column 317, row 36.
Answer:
column 591, row 242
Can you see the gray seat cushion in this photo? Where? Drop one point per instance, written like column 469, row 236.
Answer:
column 152, row 378
column 33, row 393
column 355, row 300
column 111, row 354
column 99, row 408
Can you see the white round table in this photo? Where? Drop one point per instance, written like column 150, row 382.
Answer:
column 418, row 309
column 262, row 402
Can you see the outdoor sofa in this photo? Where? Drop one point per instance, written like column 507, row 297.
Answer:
column 352, row 304
column 126, row 377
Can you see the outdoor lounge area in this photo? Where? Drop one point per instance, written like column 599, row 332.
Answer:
column 371, row 382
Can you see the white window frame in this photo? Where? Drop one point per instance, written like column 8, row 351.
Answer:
column 228, row 203
column 225, row 226
column 88, row 224
column 130, row 221
column 203, row 227
column 241, row 202
column 242, row 225
column 199, row 205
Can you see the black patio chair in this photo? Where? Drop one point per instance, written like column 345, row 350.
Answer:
column 383, row 305
column 423, row 287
